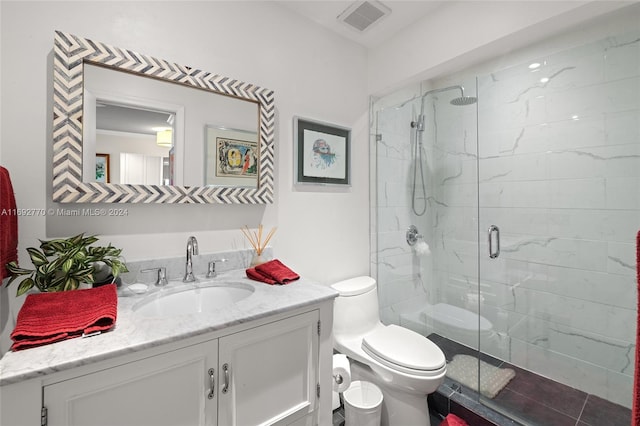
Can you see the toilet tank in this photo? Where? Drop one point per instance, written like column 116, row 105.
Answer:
column 355, row 310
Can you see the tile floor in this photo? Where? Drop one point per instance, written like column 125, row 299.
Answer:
column 528, row 398
column 536, row 400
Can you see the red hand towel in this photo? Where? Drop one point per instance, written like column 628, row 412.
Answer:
column 635, row 409
column 8, row 223
column 257, row 276
column 51, row 317
column 277, row 271
column 453, row 420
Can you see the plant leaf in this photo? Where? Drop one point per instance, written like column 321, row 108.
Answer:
column 24, row 286
column 66, row 266
column 70, row 284
column 37, row 257
column 16, row 270
column 89, row 240
column 77, row 240
column 41, row 283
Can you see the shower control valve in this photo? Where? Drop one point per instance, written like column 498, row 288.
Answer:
column 412, row 235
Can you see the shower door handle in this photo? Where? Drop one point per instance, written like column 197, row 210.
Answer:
column 494, row 236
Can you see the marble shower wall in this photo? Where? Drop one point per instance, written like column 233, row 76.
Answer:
column 553, row 156
column 559, row 173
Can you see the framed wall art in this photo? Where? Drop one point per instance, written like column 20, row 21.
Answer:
column 231, row 157
column 102, row 168
column 322, row 153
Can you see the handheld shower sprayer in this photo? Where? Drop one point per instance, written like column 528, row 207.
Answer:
column 419, row 125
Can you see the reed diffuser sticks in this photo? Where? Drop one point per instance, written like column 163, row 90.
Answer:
column 255, row 238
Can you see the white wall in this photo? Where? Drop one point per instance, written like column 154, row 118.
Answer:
column 462, row 33
column 322, row 233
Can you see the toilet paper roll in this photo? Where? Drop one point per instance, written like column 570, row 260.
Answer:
column 341, row 373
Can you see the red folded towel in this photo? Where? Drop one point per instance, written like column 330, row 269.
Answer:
column 257, row 276
column 272, row 272
column 635, row 406
column 453, row 420
column 8, row 223
column 277, row 271
column 51, row 317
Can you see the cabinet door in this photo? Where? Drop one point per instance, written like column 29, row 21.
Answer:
column 168, row 389
column 270, row 373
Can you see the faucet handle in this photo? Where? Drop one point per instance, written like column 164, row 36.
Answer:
column 211, row 271
column 162, row 275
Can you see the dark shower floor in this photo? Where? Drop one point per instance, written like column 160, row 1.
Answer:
column 541, row 401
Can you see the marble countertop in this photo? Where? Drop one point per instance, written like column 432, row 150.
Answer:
column 134, row 332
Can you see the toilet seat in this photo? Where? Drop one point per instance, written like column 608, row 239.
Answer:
column 404, row 350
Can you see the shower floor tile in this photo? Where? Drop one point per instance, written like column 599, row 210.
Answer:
column 537, row 400
column 556, row 396
column 598, row 411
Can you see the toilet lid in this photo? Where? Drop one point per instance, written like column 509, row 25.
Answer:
column 402, row 347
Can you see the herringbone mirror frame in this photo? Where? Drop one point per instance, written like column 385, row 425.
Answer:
column 70, row 54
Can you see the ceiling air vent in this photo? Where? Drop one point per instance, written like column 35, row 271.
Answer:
column 363, row 14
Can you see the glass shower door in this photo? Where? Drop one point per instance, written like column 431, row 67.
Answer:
column 559, row 175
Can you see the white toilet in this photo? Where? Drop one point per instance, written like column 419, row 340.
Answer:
column 404, row 364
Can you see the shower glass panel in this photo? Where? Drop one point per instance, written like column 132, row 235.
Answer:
column 404, row 276
column 547, row 165
column 426, row 176
column 559, row 174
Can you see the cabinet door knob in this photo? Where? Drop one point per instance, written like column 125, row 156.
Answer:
column 225, row 386
column 212, row 383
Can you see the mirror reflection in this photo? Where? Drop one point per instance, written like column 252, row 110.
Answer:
column 137, row 145
column 152, row 132
column 231, row 157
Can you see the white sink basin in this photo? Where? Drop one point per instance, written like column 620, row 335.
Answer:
column 193, row 300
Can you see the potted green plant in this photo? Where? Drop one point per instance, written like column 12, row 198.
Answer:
column 63, row 264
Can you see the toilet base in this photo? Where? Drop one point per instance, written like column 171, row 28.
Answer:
column 398, row 408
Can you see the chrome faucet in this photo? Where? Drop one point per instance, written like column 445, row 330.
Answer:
column 192, row 248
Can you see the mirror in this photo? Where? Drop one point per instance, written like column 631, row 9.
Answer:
column 130, row 128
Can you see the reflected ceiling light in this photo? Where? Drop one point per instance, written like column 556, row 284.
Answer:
column 544, row 80
column 163, row 138
column 534, row 65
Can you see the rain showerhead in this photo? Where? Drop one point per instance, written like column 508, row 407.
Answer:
column 460, row 101
column 464, row 100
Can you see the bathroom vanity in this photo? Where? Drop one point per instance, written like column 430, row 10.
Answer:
column 265, row 359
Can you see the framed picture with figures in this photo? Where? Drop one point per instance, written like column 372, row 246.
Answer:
column 322, row 153
column 102, row 168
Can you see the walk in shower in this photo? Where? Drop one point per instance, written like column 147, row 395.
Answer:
column 508, row 224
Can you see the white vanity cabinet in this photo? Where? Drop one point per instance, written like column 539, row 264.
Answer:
column 168, row 389
column 267, row 374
